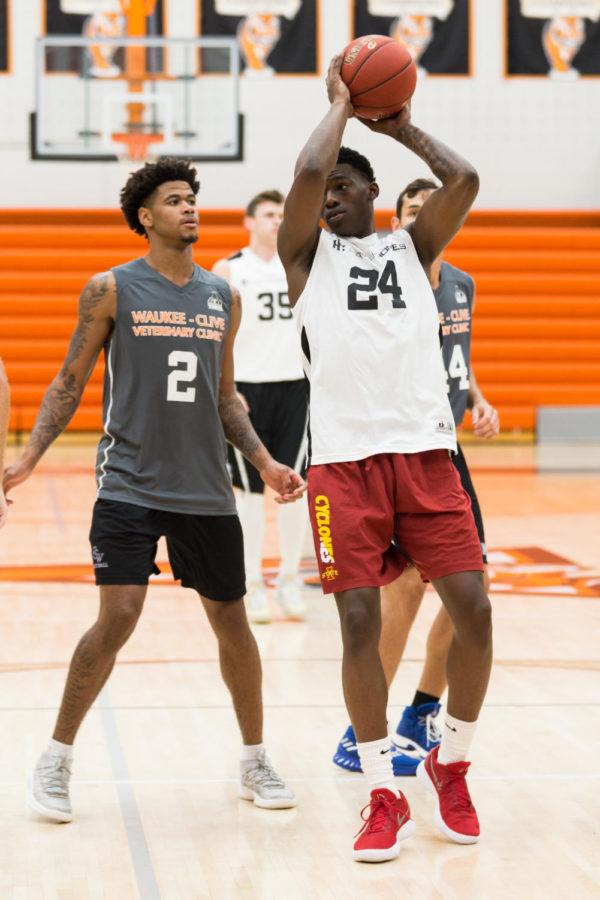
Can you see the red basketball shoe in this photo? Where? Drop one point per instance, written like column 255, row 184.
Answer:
column 388, row 823
column 455, row 814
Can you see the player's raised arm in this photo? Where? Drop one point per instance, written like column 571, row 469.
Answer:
column 238, row 428
column 299, row 231
column 97, row 306
column 445, row 210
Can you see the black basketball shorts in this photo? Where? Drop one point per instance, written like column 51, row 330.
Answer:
column 465, row 476
column 206, row 552
column 278, row 412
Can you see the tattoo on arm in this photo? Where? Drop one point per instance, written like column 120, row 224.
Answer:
column 443, row 162
column 63, row 396
column 239, row 431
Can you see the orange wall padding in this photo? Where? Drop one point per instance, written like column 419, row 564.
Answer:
column 537, row 319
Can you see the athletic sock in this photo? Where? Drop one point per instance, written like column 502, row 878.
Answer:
column 376, row 762
column 292, row 521
column 421, row 697
column 251, row 509
column 250, row 752
column 456, row 740
column 55, row 748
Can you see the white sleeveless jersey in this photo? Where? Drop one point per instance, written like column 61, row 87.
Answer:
column 266, row 346
column 370, row 339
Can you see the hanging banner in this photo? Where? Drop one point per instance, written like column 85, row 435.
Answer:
column 556, row 38
column 102, row 19
column 274, row 36
column 437, row 32
column 4, row 37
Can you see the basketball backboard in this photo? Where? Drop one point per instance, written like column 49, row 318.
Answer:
column 106, row 98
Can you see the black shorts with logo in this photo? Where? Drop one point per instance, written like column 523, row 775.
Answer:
column 465, row 476
column 206, row 552
column 278, row 412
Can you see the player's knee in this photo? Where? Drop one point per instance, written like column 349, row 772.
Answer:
column 118, row 621
column 479, row 619
column 359, row 628
column 228, row 620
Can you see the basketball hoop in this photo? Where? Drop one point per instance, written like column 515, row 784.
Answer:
column 137, row 143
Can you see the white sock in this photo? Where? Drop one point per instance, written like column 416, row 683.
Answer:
column 456, row 740
column 376, row 762
column 55, row 748
column 251, row 509
column 250, row 752
column 292, row 521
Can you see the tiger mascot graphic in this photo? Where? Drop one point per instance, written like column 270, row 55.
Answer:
column 562, row 37
column 257, row 35
column 109, row 22
column 415, row 31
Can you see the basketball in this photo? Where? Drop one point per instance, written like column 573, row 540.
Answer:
column 380, row 74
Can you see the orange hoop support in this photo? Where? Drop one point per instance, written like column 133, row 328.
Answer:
column 136, row 12
column 137, row 143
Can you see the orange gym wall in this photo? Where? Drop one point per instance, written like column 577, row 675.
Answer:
column 537, row 321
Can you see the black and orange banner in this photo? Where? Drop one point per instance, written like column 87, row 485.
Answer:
column 555, row 38
column 274, row 37
column 4, row 37
column 107, row 20
column 437, row 32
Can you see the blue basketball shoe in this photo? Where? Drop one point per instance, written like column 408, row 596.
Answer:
column 417, row 732
column 346, row 756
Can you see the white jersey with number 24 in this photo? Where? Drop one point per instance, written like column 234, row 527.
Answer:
column 369, row 332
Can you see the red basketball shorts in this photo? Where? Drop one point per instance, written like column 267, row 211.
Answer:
column 358, row 508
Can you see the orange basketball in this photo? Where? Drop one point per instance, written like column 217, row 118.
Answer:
column 381, row 75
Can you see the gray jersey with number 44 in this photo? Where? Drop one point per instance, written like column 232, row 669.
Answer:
column 454, row 299
column 163, row 445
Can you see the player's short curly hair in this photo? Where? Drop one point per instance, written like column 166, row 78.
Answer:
column 415, row 187
column 142, row 184
column 357, row 161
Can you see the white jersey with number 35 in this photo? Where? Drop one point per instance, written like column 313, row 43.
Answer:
column 266, row 346
column 370, row 339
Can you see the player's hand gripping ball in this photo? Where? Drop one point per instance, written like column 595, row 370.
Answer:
column 380, row 74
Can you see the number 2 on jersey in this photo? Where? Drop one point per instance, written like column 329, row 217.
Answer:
column 189, row 361
column 386, row 283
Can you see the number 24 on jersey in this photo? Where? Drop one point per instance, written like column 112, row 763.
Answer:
column 368, row 280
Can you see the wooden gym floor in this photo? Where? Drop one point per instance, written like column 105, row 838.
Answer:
column 157, row 815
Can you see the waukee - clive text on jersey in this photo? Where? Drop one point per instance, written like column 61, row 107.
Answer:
column 370, row 339
column 163, row 445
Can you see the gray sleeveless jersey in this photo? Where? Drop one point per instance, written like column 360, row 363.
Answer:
column 163, row 445
column 454, row 298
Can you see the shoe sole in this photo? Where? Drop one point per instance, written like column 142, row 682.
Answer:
column 262, row 803
column 454, row 836
column 259, row 618
column 377, row 856
column 349, row 766
column 52, row 814
column 294, row 616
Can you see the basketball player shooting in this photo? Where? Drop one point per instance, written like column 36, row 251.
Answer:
column 417, row 731
column 168, row 328
column 381, row 435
